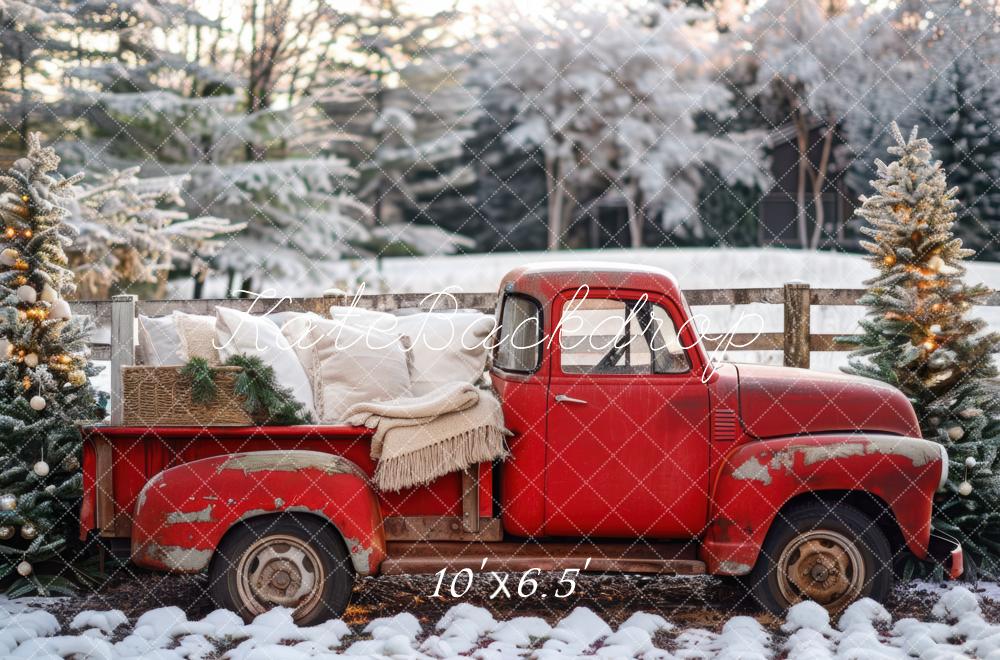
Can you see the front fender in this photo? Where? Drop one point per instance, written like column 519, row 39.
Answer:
column 756, row 479
column 183, row 512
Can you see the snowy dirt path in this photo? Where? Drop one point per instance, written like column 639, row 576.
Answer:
column 925, row 621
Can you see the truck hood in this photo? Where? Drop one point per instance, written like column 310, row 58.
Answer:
column 782, row 401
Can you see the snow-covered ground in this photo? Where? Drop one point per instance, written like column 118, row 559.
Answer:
column 953, row 628
column 695, row 268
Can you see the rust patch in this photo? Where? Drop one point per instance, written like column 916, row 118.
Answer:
column 360, row 556
column 920, row 452
column 203, row 515
column 753, row 470
column 177, row 558
column 155, row 481
column 734, row 568
column 812, row 454
column 291, row 461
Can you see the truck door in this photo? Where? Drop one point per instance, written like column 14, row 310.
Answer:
column 628, row 421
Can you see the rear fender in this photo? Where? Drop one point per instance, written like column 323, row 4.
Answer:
column 756, row 479
column 182, row 513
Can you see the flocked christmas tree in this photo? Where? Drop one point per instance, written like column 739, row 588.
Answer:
column 920, row 337
column 44, row 380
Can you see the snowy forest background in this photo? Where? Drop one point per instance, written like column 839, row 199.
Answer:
column 230, row 145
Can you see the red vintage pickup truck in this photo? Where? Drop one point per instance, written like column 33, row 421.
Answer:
column 631, row 451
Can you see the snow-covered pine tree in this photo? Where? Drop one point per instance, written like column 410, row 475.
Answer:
column 132, row 230
column 33, row 36
column 418, row 174
column 965, row 110
column 44, row 379
column 607, row 97
column 195, row 105
column 920, row 337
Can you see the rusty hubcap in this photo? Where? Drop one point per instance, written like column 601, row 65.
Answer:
column 823, row 566
column 280, row 570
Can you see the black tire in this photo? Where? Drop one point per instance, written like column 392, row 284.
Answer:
column 286, row 560
column 821, row 548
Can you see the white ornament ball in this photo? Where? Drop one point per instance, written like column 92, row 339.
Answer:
column 8, row 256
column 6, row 533
column 59, row 310
column 8, row 502
column 935, row 263
column 37, row 402
column 970, row 462
column 24, row 569
column 31, row 359
column 48, row 294
column 936, row 329
column 29, row 532
column 956, row 433
column 27, row 294
column 41, row 468
column 51, row 488
column 964, row 489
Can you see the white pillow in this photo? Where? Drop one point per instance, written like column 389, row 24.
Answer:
column 197, row 337
column 364, row 317
column 349, row 363
column 159, row 342
column 446, row 346
column 239, row 332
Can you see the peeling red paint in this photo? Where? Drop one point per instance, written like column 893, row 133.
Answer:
column 756, row 479
column 174, row 530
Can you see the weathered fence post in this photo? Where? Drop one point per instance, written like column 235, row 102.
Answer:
column 123, row 321
column 797, row 300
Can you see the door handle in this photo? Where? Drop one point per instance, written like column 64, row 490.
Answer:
column 565, row 398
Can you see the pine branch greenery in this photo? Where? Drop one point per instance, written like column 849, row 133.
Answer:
column 919, row 336
column 199, row 373
column 264, row 399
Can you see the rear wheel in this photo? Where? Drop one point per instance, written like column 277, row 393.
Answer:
column 830, row 554
column 287, row 561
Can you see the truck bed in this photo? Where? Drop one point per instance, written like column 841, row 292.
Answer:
column 118, row 461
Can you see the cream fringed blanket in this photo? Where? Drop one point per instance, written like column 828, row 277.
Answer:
column 421, row 438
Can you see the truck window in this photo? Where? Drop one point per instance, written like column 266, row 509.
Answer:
column 601, row 336
column 519, row 345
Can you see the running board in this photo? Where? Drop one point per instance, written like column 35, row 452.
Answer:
column 588, row 557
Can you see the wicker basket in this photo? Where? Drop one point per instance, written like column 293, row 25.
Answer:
column 161, row 396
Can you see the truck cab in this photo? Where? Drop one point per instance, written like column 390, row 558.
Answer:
column 625, row 428
column 630, row 450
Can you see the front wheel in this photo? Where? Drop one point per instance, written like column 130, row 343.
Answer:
column 830, row 554
column 289, row 561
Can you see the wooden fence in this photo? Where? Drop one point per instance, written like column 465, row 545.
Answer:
column 796, row 341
